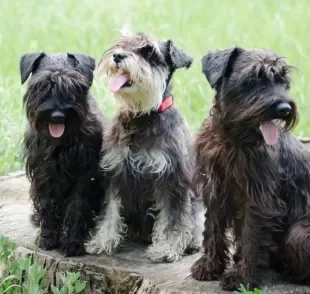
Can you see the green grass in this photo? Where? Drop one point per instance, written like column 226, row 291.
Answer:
column 196, row 26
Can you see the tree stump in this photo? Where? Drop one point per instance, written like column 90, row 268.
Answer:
column 128, row 271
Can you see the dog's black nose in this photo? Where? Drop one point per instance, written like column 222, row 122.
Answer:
column 57, row 116
column 283, row 109
column 118, row 57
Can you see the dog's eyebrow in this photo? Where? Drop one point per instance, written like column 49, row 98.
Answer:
column 148, row 47
column 152, row 49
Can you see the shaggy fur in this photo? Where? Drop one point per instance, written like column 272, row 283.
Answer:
column 62, row 165
column 147, row 156
column 261, row 192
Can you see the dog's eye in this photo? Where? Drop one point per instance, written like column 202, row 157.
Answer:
column 148, row 52
column 71, row 98
column 283, row 81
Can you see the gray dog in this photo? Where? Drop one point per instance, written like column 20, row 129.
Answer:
column 147, row 154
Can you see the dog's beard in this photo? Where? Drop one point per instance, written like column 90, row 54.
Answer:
column 146, row 84
column 75, row 117
column 259, row 113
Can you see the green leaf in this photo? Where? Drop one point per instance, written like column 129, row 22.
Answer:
column 75, row 277
column 63, row 278
column 9, row 278
column 70, row 288
column 13, row 247
column 9, row 288
column 55, row 290
column 79, row 286
column 63, row 290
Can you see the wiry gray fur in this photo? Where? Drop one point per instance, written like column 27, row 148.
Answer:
column 147, row 157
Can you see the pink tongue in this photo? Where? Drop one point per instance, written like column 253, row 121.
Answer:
column 270, row 132
column 117, row 81
column 56, row 130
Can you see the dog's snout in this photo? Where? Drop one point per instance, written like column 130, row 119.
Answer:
column 283, row 109
column 118, row 57
column 57, row 116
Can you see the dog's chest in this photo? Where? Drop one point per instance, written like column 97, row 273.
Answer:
column 137, row 149
column 139, row 162
column 137, row 168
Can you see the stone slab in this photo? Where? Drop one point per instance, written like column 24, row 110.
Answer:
column 128, row 271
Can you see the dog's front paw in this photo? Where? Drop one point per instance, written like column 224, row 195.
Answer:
column 163, row 257
column 97, row 246
column 204, row 270
column 73, row 248
column 48, row 242
column 169, row 246
column 232, row 281
column 158, row 253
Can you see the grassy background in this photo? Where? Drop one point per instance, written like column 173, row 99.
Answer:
column 197, row 26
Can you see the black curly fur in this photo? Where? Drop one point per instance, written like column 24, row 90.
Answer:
column 261, row 191
column 63, row 171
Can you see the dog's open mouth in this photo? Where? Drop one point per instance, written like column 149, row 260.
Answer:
column 118, row 81
column 56, row 130
column 270, row 132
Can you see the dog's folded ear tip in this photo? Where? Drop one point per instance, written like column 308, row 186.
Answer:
column 206, row 57
column 215, row 63
column 28, row 63
column 70, row 55
column 85, row 63
column 189, row 64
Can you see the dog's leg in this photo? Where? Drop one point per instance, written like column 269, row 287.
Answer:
column 46, row 205
column 78, row 218
column 111, row 229
column 293, row 255
column 215, row 259
column 198, row 211
column 237, row 234
column 172, row 231
column 254, row 260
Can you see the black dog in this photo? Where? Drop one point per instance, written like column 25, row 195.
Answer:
column 254, row 173
column 62, row 146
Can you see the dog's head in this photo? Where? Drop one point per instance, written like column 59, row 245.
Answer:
column 140, row 70
column 251, row 91
column 56, row 98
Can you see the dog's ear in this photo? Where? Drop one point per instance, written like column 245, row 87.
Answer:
column 215, row 65
column 85, row 64
column 177, row 58
column 28, row 64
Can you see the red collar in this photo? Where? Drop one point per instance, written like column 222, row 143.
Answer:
column 165, row 104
